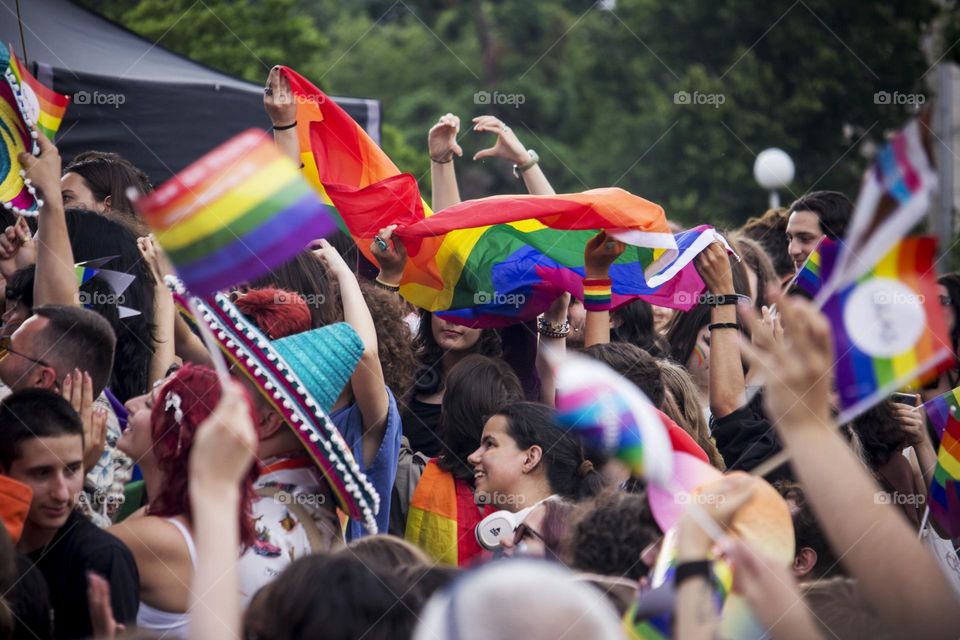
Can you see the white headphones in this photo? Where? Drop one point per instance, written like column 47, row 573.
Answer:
column 499, row 526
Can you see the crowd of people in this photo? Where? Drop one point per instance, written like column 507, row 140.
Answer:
column 144, row 495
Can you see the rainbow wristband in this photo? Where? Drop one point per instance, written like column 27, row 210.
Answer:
column 597, row 293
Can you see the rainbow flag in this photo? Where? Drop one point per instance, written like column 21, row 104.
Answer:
column 894, row 196
column 502, row 259
column 44, row 107
column 888, row 329
column 943, row 410
column 443, row 516
column 612, row 416
column 944, row 494
column 808, row 279
column 234, row 214
column 23, row 101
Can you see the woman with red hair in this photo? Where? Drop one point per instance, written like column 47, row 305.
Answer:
column 159, row 436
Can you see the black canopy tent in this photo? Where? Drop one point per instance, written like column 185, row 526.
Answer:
column 157, row 108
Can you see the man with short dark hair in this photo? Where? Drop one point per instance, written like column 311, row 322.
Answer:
column 813, row 558
column 53, row 342
column 813, row 216
column 41, row 445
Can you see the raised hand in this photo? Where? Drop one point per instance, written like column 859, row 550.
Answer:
column 278, row 99
column 714, row 267
column 77, row 389
column 17, row 248
column 507, row 146
column 43, row 170
column 391, row 255
column 601, row 252
column 442, row 139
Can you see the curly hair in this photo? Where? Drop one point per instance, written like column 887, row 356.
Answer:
column 880, row 434
column 393, row 338
column 609, row 534
column 198, row 390
column 770, row 232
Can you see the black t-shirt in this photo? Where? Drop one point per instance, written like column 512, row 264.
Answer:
column 420, row 423
column 78, row 547
column 745, row 438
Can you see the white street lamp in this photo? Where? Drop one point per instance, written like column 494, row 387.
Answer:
column 773, row 169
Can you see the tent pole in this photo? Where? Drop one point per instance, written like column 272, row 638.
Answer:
column 23, row 40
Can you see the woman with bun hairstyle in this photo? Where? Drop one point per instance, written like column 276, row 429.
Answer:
column 524, row 458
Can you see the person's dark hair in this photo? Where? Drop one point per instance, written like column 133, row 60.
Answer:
column 422, row 581
column 685, row 327
column 384, row 552
column 770, row 232
column 394, row 346
column 95, row 236
column 34, row 413
column 807, row 532
column 634, row 364
column 364, row 602
column 430, row 376
column 306, row 275
column 110, row 175
column 633, row 323
column 20, row 286
column 880, row 434
column 832, row 208
column 77, row 338
column 609, row 533
column 555, row 527
column 756, row 259
column 569, row 473
column 477, row 387
column 951, row 281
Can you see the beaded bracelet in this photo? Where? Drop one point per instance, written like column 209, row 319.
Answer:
column 597, row 293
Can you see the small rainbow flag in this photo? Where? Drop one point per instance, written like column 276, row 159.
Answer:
column 44, row 106
column 888, row 329
column 808, row 278
column 944, row 494
column 943, row 410
column 612, row 416
column 23, row 101
column 234, row 214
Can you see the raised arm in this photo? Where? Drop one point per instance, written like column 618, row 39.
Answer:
column 601, row 252
column 727, row 384
column 391, row 255
column 164, row 313
column 442, row 144
column 222, row 452
column 861, row 529
column 56, row 279
column 509, row 147
column 280, row 107
column 367, row 383
column 553, row 328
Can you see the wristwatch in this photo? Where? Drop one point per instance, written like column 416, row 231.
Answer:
column 520, row 168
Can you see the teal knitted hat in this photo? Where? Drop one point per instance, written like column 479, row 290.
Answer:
column 324, row 359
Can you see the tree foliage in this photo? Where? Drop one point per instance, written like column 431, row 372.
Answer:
column 599, row 93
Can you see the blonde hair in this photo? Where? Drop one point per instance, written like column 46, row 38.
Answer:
column 681, row 403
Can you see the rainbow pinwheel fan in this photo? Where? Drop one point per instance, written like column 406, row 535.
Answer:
column 610, row 414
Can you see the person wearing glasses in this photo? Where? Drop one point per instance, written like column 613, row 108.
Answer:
column 542, row 531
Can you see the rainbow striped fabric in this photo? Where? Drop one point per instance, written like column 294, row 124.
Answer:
column 888, row 329
column 808, row 277
column 895, row 194
column 493, row 261
column 944, row 414
column 23, row 102
column 443, row 516
column 612, row 416
column 234, row 214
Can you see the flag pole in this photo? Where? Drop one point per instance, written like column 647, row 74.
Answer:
column 23, row 40
column 923, row 522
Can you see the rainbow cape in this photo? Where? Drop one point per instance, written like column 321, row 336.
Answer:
column 234, row 214
column 887, row 327
column 23, row 101
column 894, row 196
column 944, row 414
column 493, row 261
column 443, row 516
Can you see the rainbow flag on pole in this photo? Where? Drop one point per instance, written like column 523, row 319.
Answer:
column 23, row 102
column 888, row 329
column 808, row 279
column 234, row 214
column 943, row 410
column 944, row 494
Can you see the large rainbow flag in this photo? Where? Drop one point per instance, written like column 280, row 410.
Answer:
column 443, row 517
column 234, row 214
column 944, row 414
column 888, row 329
column 493, row 261
column 24, row 101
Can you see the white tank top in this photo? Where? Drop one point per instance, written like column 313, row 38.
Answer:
column 170, row 625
